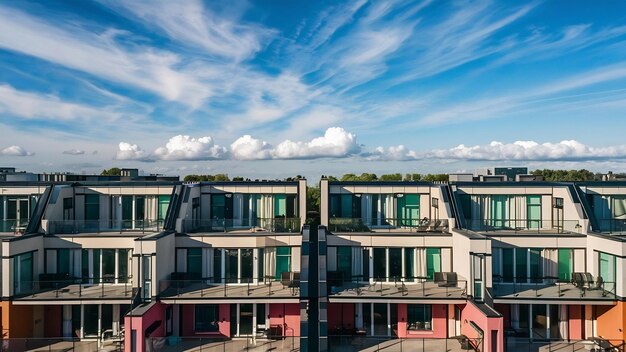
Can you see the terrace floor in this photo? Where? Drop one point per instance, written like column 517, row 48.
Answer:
column 273, row 289
column 550, row 291
column 79, row 292
column 429, row 290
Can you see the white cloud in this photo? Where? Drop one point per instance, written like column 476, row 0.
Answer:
column 128, row 151
column 249, row 148
column 191, row 23
column 567, row 150
column 102, row 55
column 15, row 150
column 74, row 152
column 187, row 148
column 335, row 143
column 38, row 106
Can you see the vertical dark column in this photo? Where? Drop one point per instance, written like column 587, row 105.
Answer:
column 313, row 295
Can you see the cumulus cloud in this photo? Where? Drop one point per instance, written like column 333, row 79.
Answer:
column 15, row 150
column 74, row 152
column 249, row 148
column 336, row 143
column 567, row 150
column 188, row 148
column 128, row 151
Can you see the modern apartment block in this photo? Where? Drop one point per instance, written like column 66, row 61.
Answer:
column 159, row 265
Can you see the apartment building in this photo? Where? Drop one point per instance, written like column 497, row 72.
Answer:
column 150, row 265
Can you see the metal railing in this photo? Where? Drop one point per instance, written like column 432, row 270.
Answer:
column 13, row 225
column 419, row 286
column 386, row 225
column 50, row 344
column 291, row 225
column 71, row 287
column 90, row 226
column 231, row 286
column 286, row 342
column 551, row 286
column 522, row 344
column 525, row 225
column 612, row 226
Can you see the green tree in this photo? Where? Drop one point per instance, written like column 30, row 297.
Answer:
column 114, row 171
column 412, row 177
column 391, row 177
column 435, row 178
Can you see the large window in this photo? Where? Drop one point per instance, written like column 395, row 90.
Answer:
column 519, row 264
column 419, row 317
column 92, row 207
column 380, row 263
column 283, row 260
column 608, row 272
column 163, row 204
column 433, row 262
column 23, row 272
column 534, row 212
column 409, row 209
column 206, row 318
column 344, row 262
column 565, row 264
column 345, row 206
column 194, row 260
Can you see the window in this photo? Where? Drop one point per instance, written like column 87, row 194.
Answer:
column 127, row 212
column 498, row 210
column 283, row 260
column 433, row 262
column 565, row 264
column 92, row 207
column 380, row 263
column 395, row 263
column 607, row 270
column 63, row 261
column 217, row 265
column 232, row 264
column 23, row 272
column 206, row 318
column 68, row 207
column 521, row 264
column 419, row 317
column 122, row 265
column 534, row 212
column 478, row 277
column 409, row 264
column 507, row 265
column 247, row 265
column 164, row 202
column 409, row 209
column 194, row 260
column 344, row 262
column 345, row 206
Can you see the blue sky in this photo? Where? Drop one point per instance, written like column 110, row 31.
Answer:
column 278, row 88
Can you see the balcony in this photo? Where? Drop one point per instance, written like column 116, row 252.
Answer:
column 387, row 225
column 278, row 225
column 16, row 226
column 525, row 226
column 612, row 226
column 549, row 288
column 101, row 226
column 52, row 287
column 194, row 287
column 396, row 287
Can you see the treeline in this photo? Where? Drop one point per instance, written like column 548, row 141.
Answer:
column 224, row 177
column 567, row 175
column 391, row 177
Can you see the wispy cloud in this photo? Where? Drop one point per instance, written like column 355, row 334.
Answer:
column 74, row 152
column 192, row 23
column 101, row 55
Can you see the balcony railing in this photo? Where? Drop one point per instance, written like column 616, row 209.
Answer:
column 75, row 287
column 97, row 226
column 13, row 225
column 280, row 338
column 291, row 225
column 232, row 286
column 387, row 225
column 525, row 225
column 551, row 287
column 396, row 286
column 612, row 226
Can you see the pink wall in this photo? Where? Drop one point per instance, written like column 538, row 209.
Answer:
column 141, row 323
column 188, row 319
column 341, row 315
column 575, row 322
column 289, row 314
column 439, row 328
column 471, row 313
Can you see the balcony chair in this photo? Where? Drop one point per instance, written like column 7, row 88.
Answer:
column 285, row 278
column 295, row 283
column 446, row 279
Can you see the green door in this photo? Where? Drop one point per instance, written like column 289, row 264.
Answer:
column 566, row 265
column 433, row 261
